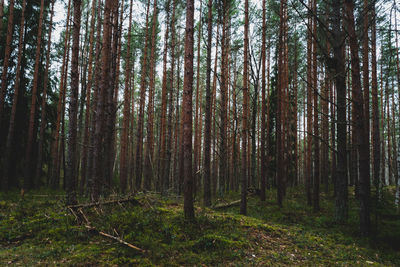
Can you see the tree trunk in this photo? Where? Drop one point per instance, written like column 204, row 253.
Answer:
column 10, row 135
column 6, row 60
column 149, row 160
column 71, row 171
column 139, row 144
column 44, row 99
column 207, row 123
column 243, row 203
column 123, row 175
column 362, row 137
column 98, row 160
column 187, row 112
column 28, row 177
column 341, row 211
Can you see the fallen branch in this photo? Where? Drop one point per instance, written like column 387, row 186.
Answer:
column 116, row 239
column 87, row 205
column 230, row 204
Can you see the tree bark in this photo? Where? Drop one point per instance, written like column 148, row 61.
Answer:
column 187, row 112
column 243, row 203
column 10, row 135
column 71, row 171
column 7, row 53
column 28, row 177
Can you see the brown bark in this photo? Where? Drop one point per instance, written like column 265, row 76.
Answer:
column 243, row 203
column 98, row 161
column 187, row 112
column 316, row 177
column 28, row 177
column 263, row 104
column 341, row 211
column 207, row 123
column 362, row 137
column 123, row 175
column 196, row 147
column 167, row 165
column 139, row 144
column 85, row 151
column 71, row 170
column 309, row 107
column 44, row 98
column 6, row 60
column 162, row 138
column 10, row 135
column 149, row 160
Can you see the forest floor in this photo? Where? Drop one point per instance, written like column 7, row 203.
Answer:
column 38, row 230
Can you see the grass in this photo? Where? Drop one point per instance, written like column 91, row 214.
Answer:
column 38, row 230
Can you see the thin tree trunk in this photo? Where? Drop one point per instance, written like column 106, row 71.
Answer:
column 28, row 177
column 341, row 211
column 187, row 112
column 44, row 98
column 207, row 123
column 243, row 203
column 71, row 171
column 139, row 144
column 149, row 160
column 263, row 104
column 6, row 60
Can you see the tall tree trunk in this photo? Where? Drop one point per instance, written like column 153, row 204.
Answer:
column 10, row 135
column 71, row 171
column 362, row 137
column 139, row 144
column 316, row 177
column 123, row 175
column 89, row 102
column 164, row 96
column 243, row 202
column 197, row 108
column 98, row 160
column 187, row 112
column 149, row 160
column 6, row 60
column 376, row 147
column 56, row 134
column 263, row 104
column 309, row 106
column 207, row 123
column 341, row 211
column 28, row 177
column 44, row 99
column 224, row 96
column 167, row 166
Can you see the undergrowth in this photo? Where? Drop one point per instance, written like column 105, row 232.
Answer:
column 39, row 230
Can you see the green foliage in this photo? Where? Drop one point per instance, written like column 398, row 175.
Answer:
column 38, row 230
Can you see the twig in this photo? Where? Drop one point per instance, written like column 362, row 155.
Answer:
column 116, row 239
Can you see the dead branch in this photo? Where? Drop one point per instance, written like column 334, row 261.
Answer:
column 87, row 205
column 116, row 239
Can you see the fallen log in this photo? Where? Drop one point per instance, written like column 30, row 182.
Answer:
column 87, row 205
column 227, row 205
